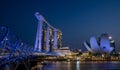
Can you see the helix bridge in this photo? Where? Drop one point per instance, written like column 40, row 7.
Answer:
column 12, row 49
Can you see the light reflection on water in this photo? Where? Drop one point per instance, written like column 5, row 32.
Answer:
column 78, row 65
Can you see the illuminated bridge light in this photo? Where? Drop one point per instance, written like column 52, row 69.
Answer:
column 12, row 49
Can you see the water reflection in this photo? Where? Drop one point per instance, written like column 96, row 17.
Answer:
column 78, row 65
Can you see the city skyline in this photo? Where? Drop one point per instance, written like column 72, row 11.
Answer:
column 78, row 20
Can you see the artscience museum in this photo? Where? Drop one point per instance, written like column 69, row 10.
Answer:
column 103, row 44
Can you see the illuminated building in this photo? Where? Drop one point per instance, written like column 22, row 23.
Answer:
column 104, row 44
column 48, row 38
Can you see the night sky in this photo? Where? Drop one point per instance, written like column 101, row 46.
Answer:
column 78, row 19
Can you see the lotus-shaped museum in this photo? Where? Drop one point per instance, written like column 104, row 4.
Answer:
column 104, row 44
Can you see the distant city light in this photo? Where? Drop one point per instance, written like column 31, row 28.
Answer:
column 112, row 41
column 110, row 37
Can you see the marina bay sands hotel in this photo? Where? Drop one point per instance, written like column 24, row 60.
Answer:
column 48, row 38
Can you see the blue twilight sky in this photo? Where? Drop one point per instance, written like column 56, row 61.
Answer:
column 78, row 19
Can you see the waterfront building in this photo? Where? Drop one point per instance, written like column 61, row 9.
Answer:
column 48, row 38
column 63, row 50
column 104, row 44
